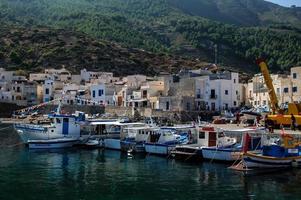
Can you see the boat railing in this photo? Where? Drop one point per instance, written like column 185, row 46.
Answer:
column 31, row 126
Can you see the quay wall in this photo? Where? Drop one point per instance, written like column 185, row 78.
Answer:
column 167, row 116
column 7, row 109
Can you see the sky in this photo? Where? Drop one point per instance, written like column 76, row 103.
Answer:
column 287, row 3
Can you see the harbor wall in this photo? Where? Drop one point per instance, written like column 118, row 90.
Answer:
column 7, row 109
column 168, row 116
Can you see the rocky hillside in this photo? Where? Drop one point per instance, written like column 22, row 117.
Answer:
column 239, row 30
column 36, row 49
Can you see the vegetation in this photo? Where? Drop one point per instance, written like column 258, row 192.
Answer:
column 31, row 50
column 190, row 28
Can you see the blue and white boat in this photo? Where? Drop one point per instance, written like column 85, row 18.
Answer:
column 109, row 132
column 225, row 150
column 207, row 136
column 164, row 140
column 286, row 154
column 63, row 131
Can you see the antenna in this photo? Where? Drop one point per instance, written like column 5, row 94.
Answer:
column 215, row 54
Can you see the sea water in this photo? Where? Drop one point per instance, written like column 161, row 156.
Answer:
column 103, row 174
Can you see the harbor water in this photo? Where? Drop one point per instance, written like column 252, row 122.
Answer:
column 104, row 174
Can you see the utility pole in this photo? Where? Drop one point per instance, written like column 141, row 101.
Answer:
column 215, row 54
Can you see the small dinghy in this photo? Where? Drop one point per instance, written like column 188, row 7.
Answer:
column 52, row 143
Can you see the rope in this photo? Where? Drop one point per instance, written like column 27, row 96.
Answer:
column 191, row 155
column 14, row 145
column 4, row 128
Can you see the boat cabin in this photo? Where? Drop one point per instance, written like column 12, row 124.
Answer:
column 208, row 136
column 65, row 124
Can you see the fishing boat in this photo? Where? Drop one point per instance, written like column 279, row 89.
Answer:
column 136, row 137
column 207, row 136
column 109, row 132
column 61, row 126
column 164, row 140
column 284, row 155
column 233, row 152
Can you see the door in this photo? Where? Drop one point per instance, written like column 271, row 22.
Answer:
column 213, row 106
column 212, row 139
column 65, row 126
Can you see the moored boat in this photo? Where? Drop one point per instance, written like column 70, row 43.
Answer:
column 286, row 154
column 228, row 152
column 207, row 136
column 164, row 140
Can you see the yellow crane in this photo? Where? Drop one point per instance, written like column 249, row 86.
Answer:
column 279, row 116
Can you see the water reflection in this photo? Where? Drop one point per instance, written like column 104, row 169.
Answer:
column 104, row 174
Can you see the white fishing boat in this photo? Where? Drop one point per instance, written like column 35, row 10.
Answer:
column 52, row 143
column 164, row 140
column 134, row 138
column 62, row 126
column 207, row 136
column 109, row 131
column 226, row 149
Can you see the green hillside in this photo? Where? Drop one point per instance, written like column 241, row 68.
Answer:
column 188, row 28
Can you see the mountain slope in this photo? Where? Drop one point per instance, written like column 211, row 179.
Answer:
column 35, row 49
column 187, row 28
column 240, row 12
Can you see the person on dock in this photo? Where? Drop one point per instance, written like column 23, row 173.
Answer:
column 293, row 122
column 237, row 118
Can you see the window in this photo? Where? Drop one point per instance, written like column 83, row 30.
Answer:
column 234, row 80
column 167, row 106
column 236, row 92
column 100, row 93
column 294, row 75
column 201, row 135
column 234, row 103
column 47, row 91
column 264, row 102
column 226, row 106
column 93, row 93
column 295, row 89
column 278, row 90
column 285, row 90
column 58, row 120
column 226, row 92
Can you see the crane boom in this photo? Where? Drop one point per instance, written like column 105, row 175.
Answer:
column 269, row 83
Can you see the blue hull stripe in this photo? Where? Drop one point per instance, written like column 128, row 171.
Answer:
column 223, row 150
column 248, row 159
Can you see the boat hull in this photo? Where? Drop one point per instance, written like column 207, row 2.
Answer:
column 158, row 149
column 258, row 161
column 51, row 144
column 187, row 154
column 132, row 146
column 226, row 154
column 27, row 133
column 112, row 144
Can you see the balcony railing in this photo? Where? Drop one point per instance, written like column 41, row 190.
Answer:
column 213, row 96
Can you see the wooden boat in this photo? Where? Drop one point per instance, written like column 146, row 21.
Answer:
column 284, row 155
column 206, row 137
column 234, row 152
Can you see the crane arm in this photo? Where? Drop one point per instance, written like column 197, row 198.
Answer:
column 269, row 83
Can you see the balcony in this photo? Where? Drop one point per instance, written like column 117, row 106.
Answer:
column 199, row 96
column 213, row 96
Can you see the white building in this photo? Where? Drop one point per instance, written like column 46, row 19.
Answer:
column 225, row 91
column 98, row 93
column 103, row 77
